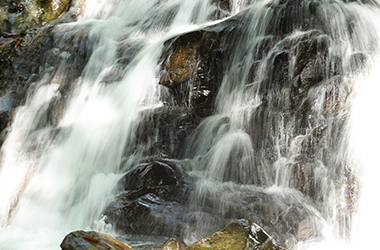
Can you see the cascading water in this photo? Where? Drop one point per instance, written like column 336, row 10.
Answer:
column 280, row 145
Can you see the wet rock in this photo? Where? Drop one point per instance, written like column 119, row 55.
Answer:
column 154, row 200
column 8, row 102
column 297, row 71
column 194, row 63
column 242, row 234
column 81, row 240
column 221, row 9
column 24, row 15
column 19, row 61
column 223, row 4
column 160, row 177
column 173, row 244
column 161, row 132
column 6, row 27
column 279, row 214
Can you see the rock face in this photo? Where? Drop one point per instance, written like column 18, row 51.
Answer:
column 162, row 131
column 293, row 76
column 27, row 46
column 193, row 65
column 81, row 240
column 242, row 234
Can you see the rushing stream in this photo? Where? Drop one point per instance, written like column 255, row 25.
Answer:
column 290, row 141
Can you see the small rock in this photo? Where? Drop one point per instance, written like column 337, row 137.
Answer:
column 173, row 244
column 81, row 240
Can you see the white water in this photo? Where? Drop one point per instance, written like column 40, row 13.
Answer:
column 57, row 185
column 55, row 189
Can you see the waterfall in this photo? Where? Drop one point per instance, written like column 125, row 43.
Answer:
column 290, row 140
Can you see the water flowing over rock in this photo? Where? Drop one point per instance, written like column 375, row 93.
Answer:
column 174, row 118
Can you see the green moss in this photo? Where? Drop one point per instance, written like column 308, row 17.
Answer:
column 51, row 9
column 239, row 235
column 233, row 237
column 173, row 244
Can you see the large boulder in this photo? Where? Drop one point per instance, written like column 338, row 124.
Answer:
column 82, row 240
column 153, row 201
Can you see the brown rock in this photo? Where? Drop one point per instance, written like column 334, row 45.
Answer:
column 81, row 240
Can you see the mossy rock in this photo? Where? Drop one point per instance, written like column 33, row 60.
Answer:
column 239, row 235
column 51, row 9
column 173, row 244
column 23, row 15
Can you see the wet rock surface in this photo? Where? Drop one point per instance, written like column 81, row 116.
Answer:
column 173, row 244
column 242, row 234
column 82, row 240
column 193, row 65
column 153, row 202
column 161, row 132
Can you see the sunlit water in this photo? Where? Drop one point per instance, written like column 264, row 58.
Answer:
column 55, row 180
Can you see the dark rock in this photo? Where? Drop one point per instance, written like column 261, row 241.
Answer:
column 160, row 177
column 223, row 4
column 222, row 9
column 242, row 234
column 279, row 214
column 7, row 103
column 6, row 27
column 161, row 132
column 81, row 240
column 194, row 63
column 153, row 202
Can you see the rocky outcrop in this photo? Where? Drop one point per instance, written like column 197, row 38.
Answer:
column 81, row 240
column 301, row 96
